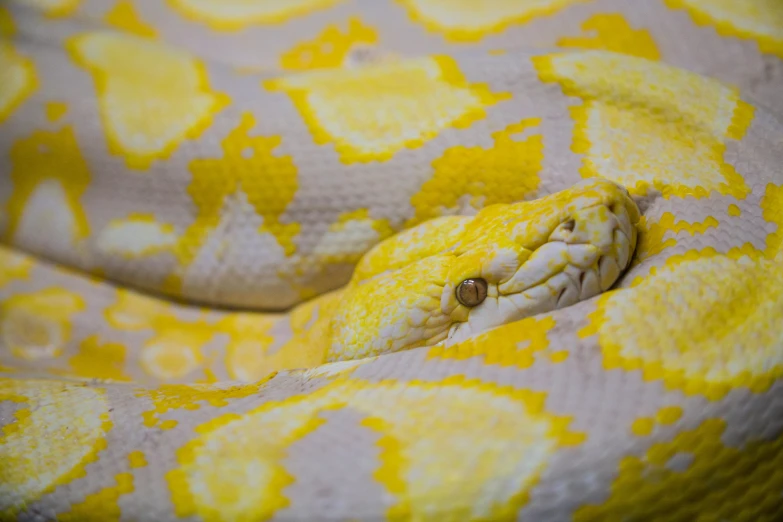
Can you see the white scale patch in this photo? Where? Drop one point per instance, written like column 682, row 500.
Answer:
column 48, row 210
column 135, row 237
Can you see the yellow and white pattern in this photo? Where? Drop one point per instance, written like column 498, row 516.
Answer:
column 685, row 118
column 338, row 105
column 461, row 20
column 146, row 120
column 393, row 260
column 19, row 79
column 759, row 20
column 73, row 442
column 230, row 15
column 406, row 464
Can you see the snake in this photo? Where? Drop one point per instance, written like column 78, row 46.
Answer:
column 391, row 260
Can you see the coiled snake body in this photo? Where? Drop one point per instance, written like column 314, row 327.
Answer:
column 326, row 260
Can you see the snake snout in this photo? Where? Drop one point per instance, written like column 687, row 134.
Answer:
column 584, row 255
column 599, row 242
column 593, row 225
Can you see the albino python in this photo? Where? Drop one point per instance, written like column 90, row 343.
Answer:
column 404, row 260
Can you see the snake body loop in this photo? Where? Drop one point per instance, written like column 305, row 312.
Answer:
column 391, row 260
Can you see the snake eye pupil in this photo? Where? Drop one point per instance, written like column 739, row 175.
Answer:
column 472, row 292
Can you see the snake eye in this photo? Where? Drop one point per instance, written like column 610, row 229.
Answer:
column 472, row 292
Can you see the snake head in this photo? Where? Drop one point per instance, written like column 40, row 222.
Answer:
column 456, row 276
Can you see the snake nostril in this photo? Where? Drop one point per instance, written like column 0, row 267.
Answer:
column 569, row 225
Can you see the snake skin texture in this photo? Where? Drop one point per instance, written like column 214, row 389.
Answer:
column 232, row 233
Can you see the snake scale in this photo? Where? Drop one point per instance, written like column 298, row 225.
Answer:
column 391, row 260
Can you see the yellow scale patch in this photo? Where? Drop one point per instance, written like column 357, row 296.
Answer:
column 612, row 32
column 244, row 157
column 38, row 325
column 651, row 235
column 55, row 110
column 19, row 77
column 234, row 15
column 680, row 122
column 666, row 416
column 362, row 330
column 248, row 356
column 151, row 97
column 170, row 397
column 372, row 112
column 411, row 245
column 700, row 324
column 123, row 16
column 516, row 344
column 250, row 338
column 45, row 195
column 504, row 173
column 330, row 48
column 101, row 505
column 647, row 488
column 470, row 21
column 175, row 347
column 772, row 211
column 96, row 360
column 252, row 477
column 13, row 266
column 7, row 28
column 73, row 420
column 350, row 237
column 136, row 459
column 759, row 20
